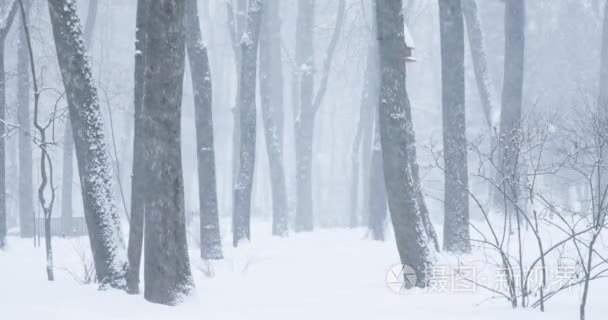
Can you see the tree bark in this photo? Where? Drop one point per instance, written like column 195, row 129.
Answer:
column 456, row 236
column 167, row 274
column 136, row 223
column 271, row 91
column 395, row 135
column 26, row 191
column 211, row 242
column 5, row 24
column 68, row 141
column 91, row 152
column 247, row 113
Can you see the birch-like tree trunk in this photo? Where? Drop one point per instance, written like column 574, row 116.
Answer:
column 512, row 92
column 138, row 187
column 26, row 191
column 271, row 91
column 244, row 183
column 211, row 242
column 167, row 273
column 456, row 236
column 396, row 131
column 100, row 209
column 8, row 12
column 68, row 141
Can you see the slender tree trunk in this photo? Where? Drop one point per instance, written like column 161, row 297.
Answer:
column 377, row 198
column 138, row 186
column 68, row 141
column 395, row 134
column 5, row 24
column 244, row 183
column 305, row 115
column 211, row 242
column 271, row 91
column 26, row 191
column 512, row 91
column 91, row 152
column 167, row 273
column 456, row 236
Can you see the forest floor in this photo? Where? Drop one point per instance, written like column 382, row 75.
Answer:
column 327, row 274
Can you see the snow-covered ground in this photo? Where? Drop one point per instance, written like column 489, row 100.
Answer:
column 327, row 274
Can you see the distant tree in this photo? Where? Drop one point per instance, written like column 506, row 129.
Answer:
column 68, row 141
column 211, row 242
column 167, row 273
column 8, row 11
column 271, row 92
column 603, row 94
column 91, row 152
column 456, row 236
column 138, row 186
column 247, row 114
column 396, row 130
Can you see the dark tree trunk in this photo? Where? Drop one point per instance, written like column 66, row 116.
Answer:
column 167, row 273
column 271, row 91
column 5, row 25
column 305, row 115
column 68, row 141
column 512, row 91
column 88, row 131
column 456, row 236
column 396, row 131
column 247, row 113
column 211, row 242
column 26, row 191
column 136, row 223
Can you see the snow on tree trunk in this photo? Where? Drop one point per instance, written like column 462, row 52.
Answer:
column 396, row 131
column 136, row 223
column 244, row 183
column 456, row 237
column 167, row 274
column 304, row 125
column 211, row 242
column 512, row 91
column 26, row 188
column 271, row 91
column 88, row 131
column 10, row 8
column 68, row 141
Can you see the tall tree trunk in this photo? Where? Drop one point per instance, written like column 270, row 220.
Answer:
column 242, row 189
column 68, row 141
column 271, row 91
column 93, row 160
column 512, row 92
column 304, row 126
column 138, row 186
column 396, row 131
column 211, row 242
column 377, row 187
column 456, row 236
column 26, row 191
column 167, row 273
column 5, row 24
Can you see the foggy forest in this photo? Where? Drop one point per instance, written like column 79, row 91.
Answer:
column 303, row 159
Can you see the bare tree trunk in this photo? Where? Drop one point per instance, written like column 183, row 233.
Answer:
column 377, row 198
column 5, row 25
column 138, row 186
column 456, row 236
column 271, row 91
column 88, row 131
column 395, row 133
column 510, row 116
column 68, row 141
column 244, row 183
column 211, row 242
column 26, row 191
column 167, row 273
